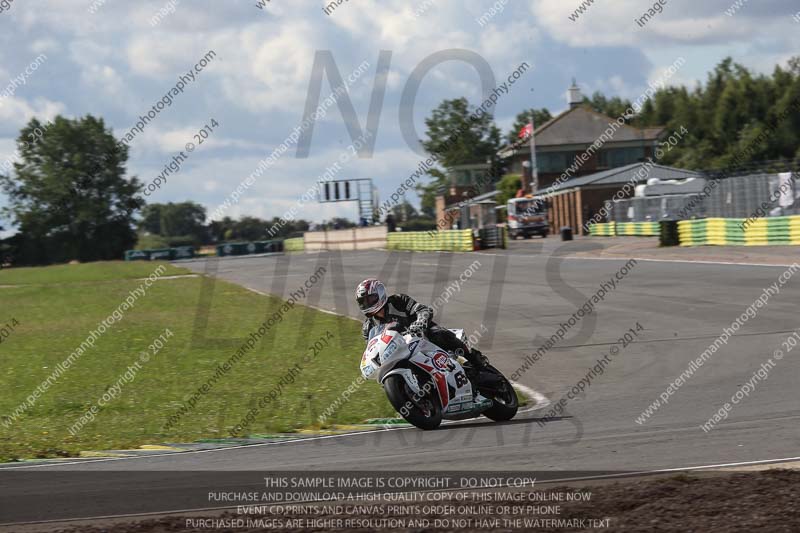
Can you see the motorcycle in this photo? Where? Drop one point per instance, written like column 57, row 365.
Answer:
column 426, row 384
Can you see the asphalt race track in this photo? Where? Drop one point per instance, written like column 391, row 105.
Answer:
column 681, row 307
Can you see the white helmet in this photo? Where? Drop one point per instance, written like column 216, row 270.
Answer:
column 371, row 296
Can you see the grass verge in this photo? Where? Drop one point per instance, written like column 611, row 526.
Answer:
column 55, row 308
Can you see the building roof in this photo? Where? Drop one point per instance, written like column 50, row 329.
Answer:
column 694, row 186
column 636, row 172
column 487, row 197
column 582, row 125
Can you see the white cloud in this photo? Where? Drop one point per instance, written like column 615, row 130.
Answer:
column 681, row 21
column 16, row 112
column 161, row 142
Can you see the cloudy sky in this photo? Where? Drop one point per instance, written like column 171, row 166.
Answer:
column 114, row 60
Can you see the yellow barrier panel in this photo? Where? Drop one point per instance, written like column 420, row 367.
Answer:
column 447, row 240
column 603, row 229
column 633, row 229
column 740, row 232
column 294, row 245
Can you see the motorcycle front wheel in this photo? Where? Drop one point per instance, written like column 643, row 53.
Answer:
column 425, row 412
column 504, row 398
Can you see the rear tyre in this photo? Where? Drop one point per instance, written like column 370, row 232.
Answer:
column 504, row 399
column 425, row 412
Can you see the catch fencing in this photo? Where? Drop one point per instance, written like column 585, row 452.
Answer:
column 750, row 196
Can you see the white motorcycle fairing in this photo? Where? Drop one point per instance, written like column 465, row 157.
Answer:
column 387, row 348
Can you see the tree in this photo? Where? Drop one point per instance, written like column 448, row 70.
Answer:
column 151, row 219
column 218, row 228
column 611, row 107
column 341, row 223
column 404, row 211
column 508, row 187
column 179, row 223
column 250, row 229
column 456, row 135
column 69, row 195
column 185, row 219
column 540, row 116
column 736, row 118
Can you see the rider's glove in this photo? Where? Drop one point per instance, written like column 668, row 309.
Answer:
column 415, row 330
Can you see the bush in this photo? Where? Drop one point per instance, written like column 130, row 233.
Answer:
column 151, row 242
column 418, row 224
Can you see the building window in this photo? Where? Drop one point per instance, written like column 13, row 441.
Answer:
column 555, row 161
column 619, row 157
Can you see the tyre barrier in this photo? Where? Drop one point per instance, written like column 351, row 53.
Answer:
column 669, row 233
column 249, row 248
column 446, row 240
column 493, row 237
column 625, row 229
column 740, row 231
column 164, row 254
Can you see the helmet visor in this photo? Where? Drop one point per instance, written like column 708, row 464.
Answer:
column 367, row 301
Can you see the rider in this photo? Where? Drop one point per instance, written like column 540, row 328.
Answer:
column 412, row 317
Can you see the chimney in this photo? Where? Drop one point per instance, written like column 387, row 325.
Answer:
column 574, row 96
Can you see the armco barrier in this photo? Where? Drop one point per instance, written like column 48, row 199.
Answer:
column 447, row 240
column 164, row 254
column 294, row 245
column 732, row 231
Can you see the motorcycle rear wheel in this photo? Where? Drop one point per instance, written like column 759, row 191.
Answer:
column 400, row 396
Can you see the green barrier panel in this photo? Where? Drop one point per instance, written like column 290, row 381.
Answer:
column 447, row 240
column 137, row 255
column 232, row 248
column 248, row 248
column 294, row 245
column 163, row 254
column 184, row 252
column 272, row 246
column 740, row 232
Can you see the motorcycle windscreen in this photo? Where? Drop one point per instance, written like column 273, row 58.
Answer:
column 375, row 331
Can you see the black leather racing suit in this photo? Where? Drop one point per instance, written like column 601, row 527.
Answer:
column 412, row 315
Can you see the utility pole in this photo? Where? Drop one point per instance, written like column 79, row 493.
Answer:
column 534, row 169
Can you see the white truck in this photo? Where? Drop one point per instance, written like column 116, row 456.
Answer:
column 527, row 217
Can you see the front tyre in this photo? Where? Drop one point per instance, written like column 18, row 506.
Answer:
column 504, row 398
column 425, row 412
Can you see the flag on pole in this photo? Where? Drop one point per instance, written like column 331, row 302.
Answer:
column 526, row 131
